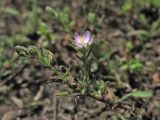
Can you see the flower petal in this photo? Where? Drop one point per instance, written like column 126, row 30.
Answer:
column 91, row 40
column 77, row 37
column 87, row 36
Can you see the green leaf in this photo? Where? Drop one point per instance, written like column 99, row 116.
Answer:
column 136, row 94
column 156, row 3
column 124, row 98
column 91, row 17
column 124, row 67
column 142, row 94
column 155, row 26
column 122, row 117
column 51, row 11
column 35, row 103
column 33, row 51
column 42, row 30
column 22, row 51
column 142, row 18
column 94, row 67
column 46, row 57
column 129, row 45
column 133, row 65
column 10, row 11
column 6, row 72
column 127, row 6
column 64, row 93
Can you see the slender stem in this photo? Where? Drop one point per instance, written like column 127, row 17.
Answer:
column 85, row 69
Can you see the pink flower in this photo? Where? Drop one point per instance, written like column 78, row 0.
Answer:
column 83, row 40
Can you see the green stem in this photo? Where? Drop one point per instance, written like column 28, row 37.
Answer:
column 85, row 69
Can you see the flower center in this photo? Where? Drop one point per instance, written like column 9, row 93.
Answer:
column 82, row 40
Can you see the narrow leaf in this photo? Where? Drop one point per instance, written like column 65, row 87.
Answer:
column 142, row 94
column 65, row 93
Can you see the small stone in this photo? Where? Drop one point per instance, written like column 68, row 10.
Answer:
column 10, row 115
column 17, row 101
